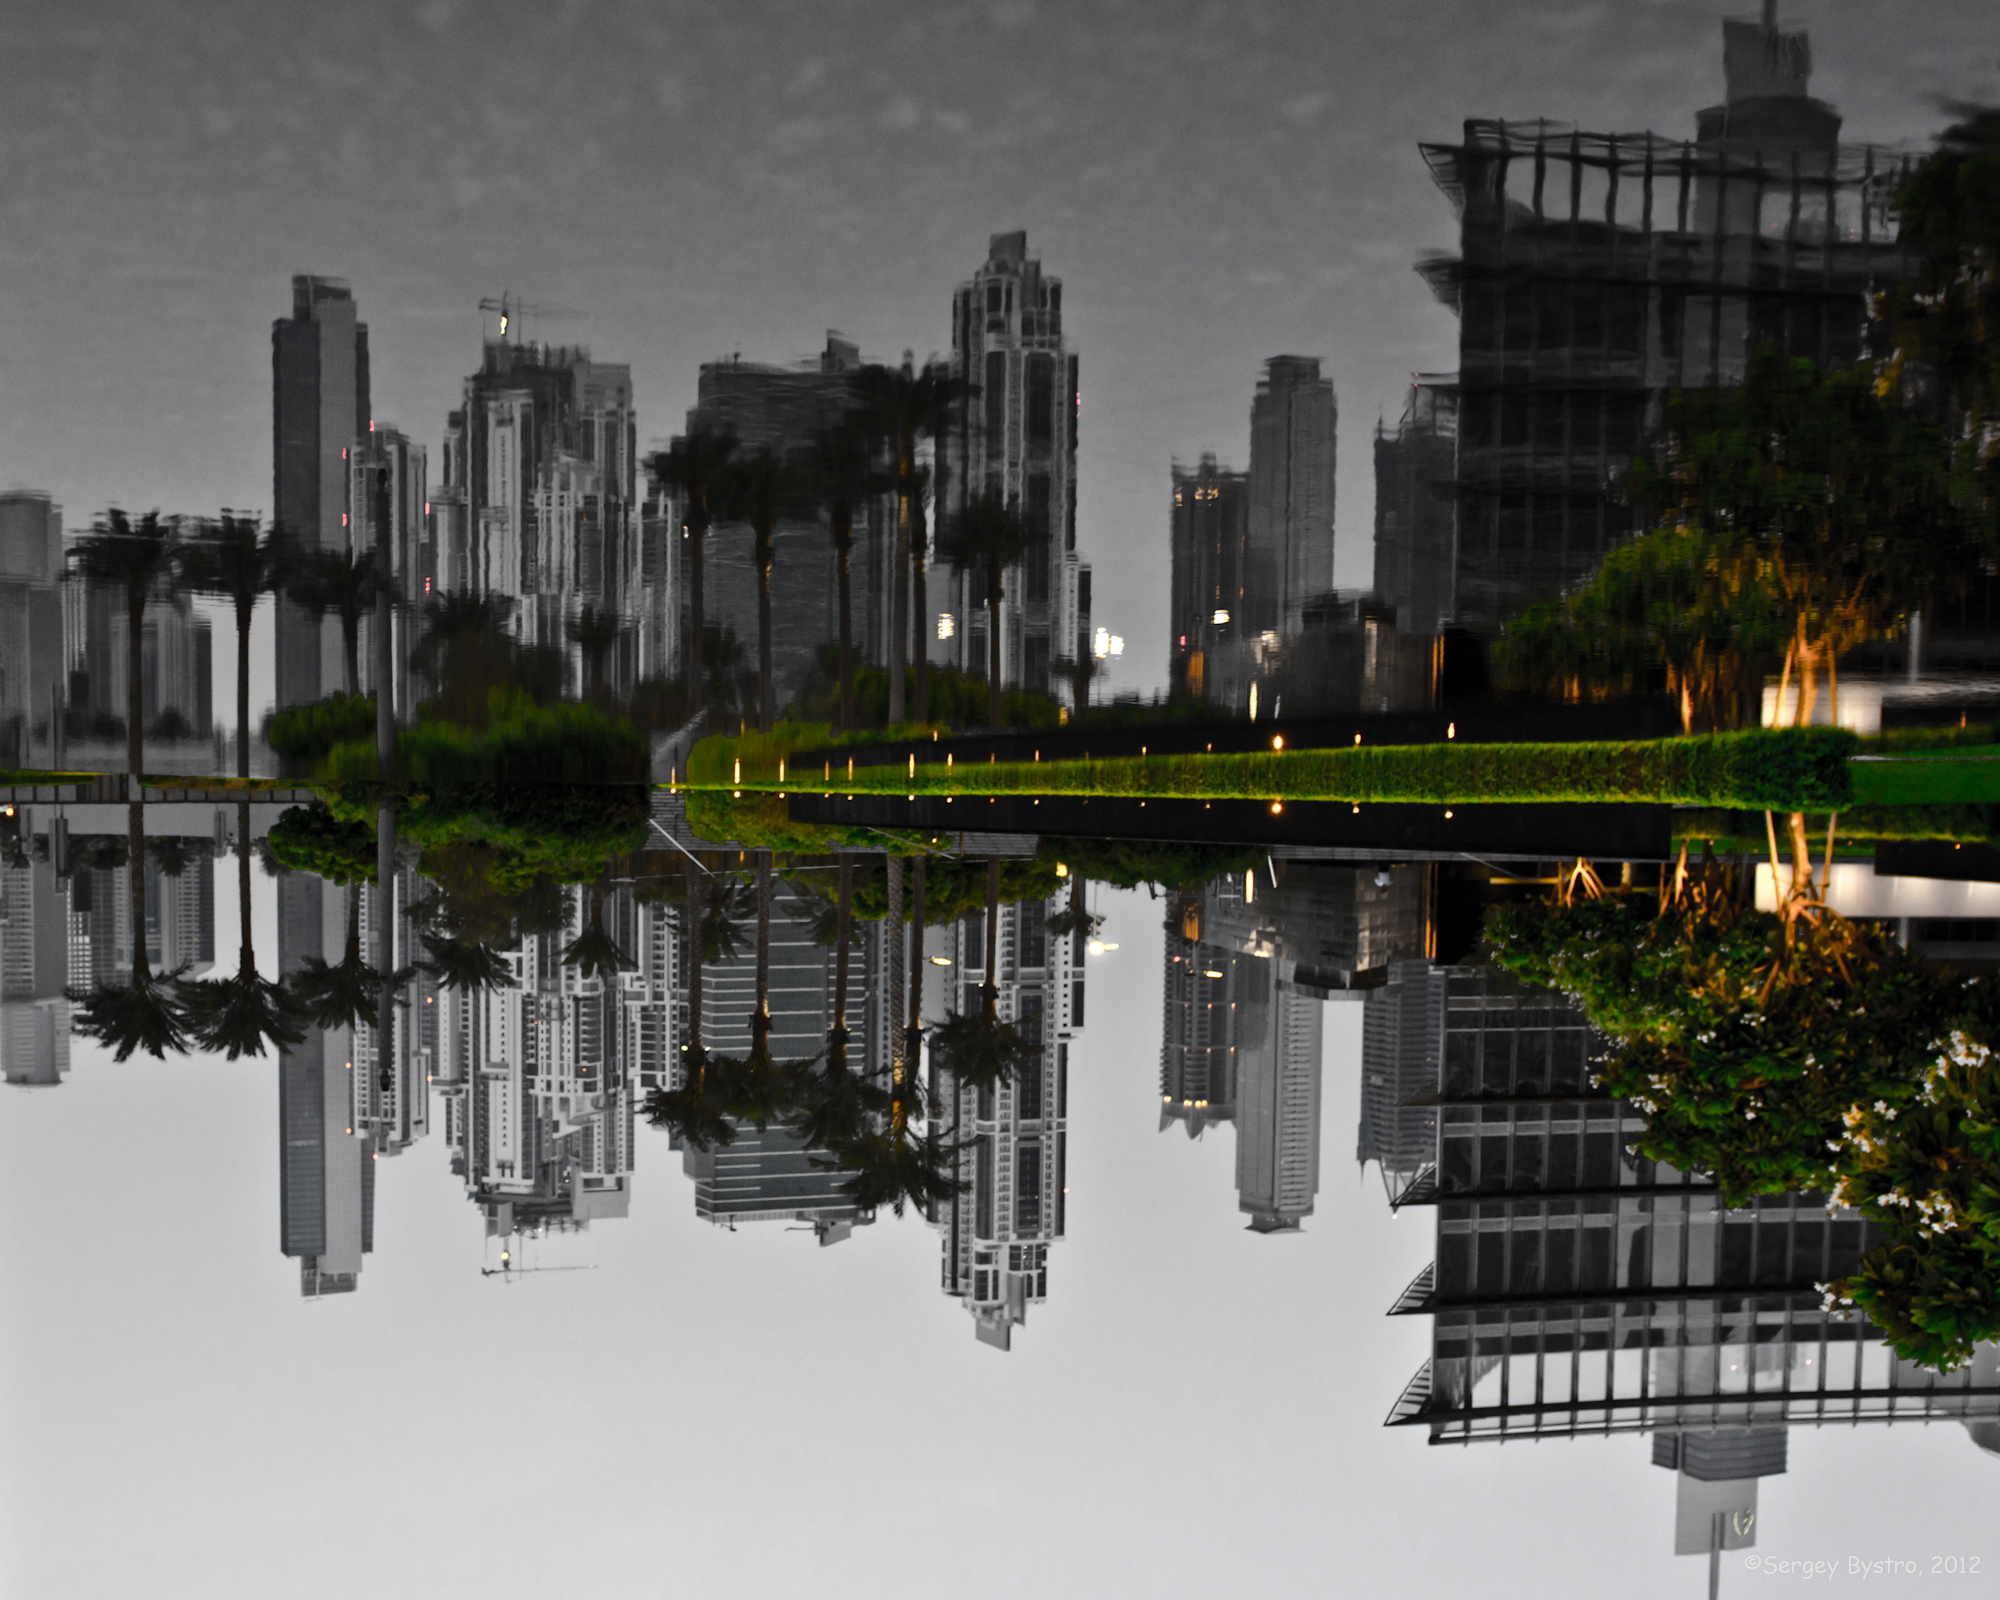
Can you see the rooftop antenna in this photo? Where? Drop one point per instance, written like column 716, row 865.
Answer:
column 511, row 310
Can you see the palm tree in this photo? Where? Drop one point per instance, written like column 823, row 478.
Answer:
column 845, row 477
column 759, row 489
column 593, row 952
column 989, row 537
column 981, row 1051
column 898, row 403
column 466, row 964
column 465, row 651
column 1076, row 917
column 241, row 1014
column 694, row 465
column 838, row 1106
column 139, row 559
column 345, row 993
column 150, row 1012
column 343, row 582
column 593, row 631
column 763, row 1089
column 229, row 557
column 694, row 1112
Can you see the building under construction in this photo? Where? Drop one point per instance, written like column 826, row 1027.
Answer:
column 1598, row 272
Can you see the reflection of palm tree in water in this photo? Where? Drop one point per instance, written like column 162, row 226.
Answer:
column 693, row 1112
column 239, row 1015
column 593, row 952
column 981, row 1051
column 349, row 992
column 149, row 1013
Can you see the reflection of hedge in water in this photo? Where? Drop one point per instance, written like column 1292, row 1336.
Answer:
column 173, row 854
column 311, row 838
column 563, row 831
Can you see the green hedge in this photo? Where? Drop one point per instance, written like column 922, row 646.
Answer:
column 1783, row 769
column 306, row 733
column 528, row 744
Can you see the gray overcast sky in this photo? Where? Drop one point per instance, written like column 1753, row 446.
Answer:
column 1195, row 1412
column 1215, row 182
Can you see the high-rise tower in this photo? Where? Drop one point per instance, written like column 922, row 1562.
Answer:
column 539, row 471
column 1292, row 422
column 1208, row 607
column 1015, row 442
column 319, row 406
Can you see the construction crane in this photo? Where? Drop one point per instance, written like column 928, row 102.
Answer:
column 507, row 1272
column 510, row 310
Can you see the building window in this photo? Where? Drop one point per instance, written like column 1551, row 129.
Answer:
column 994, row 400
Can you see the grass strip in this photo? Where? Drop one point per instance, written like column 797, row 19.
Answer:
column 1789, row 769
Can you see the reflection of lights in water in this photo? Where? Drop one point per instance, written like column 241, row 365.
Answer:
column 940, row 961
column 1210, row 972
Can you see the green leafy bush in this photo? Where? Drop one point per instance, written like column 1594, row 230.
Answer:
column 522, row 743
column 311, row 838
column 307, row 733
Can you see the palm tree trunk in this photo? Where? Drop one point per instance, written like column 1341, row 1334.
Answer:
column 135, row 685
column 695, row 682
column 385, row 937
column 243, row 614
column 760, row 1021
column 843, row 937
column 691, row 935
column 767, row 710
column 135, row 848
column 899, row 605
column 892, row 929
column 993, row 648
column 843, row 544
column 989, row 994
column 913, row 1049
column 248, row 960
column 350, row 636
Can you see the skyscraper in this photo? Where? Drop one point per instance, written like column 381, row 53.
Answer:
column 1596, row 272
column 31, row 628
column 320, row 406
column 540, row 467
column 1292, row 436
column 387, row 476
column 1208, row 608
column 1015, row 442
column 1414, row 525
column 784, row 409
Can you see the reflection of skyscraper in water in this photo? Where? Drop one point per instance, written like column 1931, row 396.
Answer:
column 1581, row 1288
column 537, row 1096
column 770, row 1174
column 34, row 967
column 320, row 406
column 326, row 1164
column 1402, row 1037
column 996, row 1235
column 1243, row 1028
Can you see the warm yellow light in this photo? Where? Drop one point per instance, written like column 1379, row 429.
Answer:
column 1219, row 618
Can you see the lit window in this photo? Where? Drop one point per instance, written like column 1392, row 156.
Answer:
column 1219, row 618
column 947, row 625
